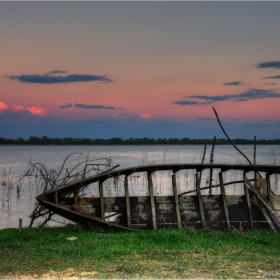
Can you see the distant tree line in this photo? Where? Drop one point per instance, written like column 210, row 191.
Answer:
column 34, row 140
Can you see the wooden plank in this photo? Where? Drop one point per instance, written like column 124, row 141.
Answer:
column 201, row 209
column 76, row 199
column 152, row 199
column 266, row 215
column 276, row 203
column 19, row 225
column 248, row 202
column 223, row 194
column 177, row 207
column 55, row 198
column 102, row 207
column 127, row 203
column 268, row 185
column 190, row 212
column 213, row 210
column 164, row 199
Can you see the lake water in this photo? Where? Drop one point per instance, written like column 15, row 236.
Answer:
column 14, row 162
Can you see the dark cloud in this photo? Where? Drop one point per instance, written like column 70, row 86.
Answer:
column 270, row 64
column 66, row 106
column 85, row 106
column 185, row 102
column 272, row 77
column 49, row 79
column 233, row 119
column 250, row 94
column 205, row 103
column 57, row 72
column 234, row 84
column 270, row 84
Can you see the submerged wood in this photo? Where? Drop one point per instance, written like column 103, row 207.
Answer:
column 170, row 211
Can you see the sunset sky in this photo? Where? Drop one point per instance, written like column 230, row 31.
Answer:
column 139, row 69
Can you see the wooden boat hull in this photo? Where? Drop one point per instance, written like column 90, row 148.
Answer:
column 154, row 212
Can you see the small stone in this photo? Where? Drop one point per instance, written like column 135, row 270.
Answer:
column 72, row 238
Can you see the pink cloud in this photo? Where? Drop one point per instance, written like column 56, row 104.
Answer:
column 3, row 106
column 38, row 111
column 18, row 108
column 145, row 116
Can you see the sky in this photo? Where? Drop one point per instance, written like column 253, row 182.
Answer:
column 139, row 69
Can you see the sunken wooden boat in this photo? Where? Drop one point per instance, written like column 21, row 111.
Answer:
column 151, row 211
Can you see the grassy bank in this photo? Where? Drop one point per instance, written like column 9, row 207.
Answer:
column 46, row 252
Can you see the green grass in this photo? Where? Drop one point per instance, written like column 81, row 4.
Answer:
column 45, row 252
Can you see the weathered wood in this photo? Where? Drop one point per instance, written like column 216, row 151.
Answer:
column 152, row 199
column 202, row 161
column 214, row 186
column 268, row 185
column 266, row 215
column 211, row 169
column 223, row 194
column 101, row 195
column 19, row 225
column 204, row 151
column 127, row 202
column 55, row 198
column 177, row 206
column 76, row 198
column 229, row 138
column 250, row 215
column 276, row 203
column 263, row 202
column 68, row 189
column 152, row 212
column 201, row 209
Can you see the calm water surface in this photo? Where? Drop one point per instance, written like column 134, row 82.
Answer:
column 14, row 162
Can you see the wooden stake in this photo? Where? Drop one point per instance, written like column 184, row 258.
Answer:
column 152, row 199
column 127, row 202
column 76, row 199
column 19, row 225
column 203, row 159
column 223, row 194
column 268, row 188
column 177, row 205
column 250, row 215
column 55, row 197
column 201, row 209
column 102, row 206
column 255, row 148
column 211, row 169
